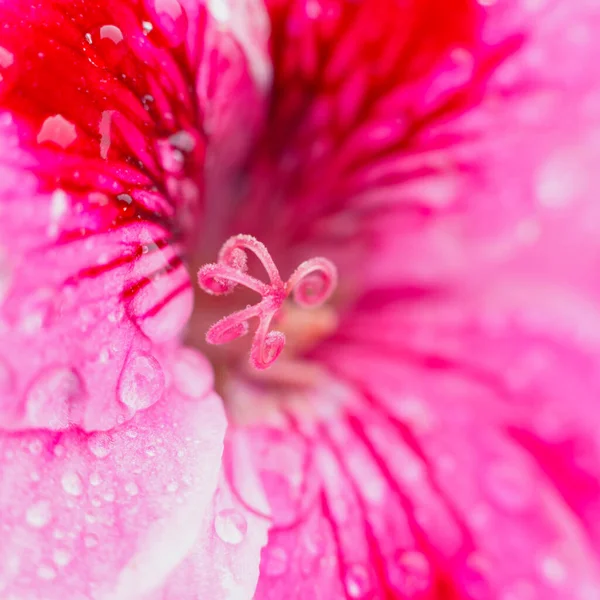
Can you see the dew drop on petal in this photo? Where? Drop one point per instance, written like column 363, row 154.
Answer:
column 72, row 484
column 6, row 58
column 51, row 398
column 90, row 540
column 38, row 515
column 109, row 496
column 414, row 572
column 357, row 581
column 112, row 33
column 99, row 444
column 276, row 561
column 553, row 570
column 131, row 488
column 231, row 526
column 58, row 130
column 171, row 19
column 104, row 129
column 560, row 179
column 61, row 557
column 59, row 205
column 142, row 382
column 183, row 140
column 509, row 486
column 46, row 572
column 95, row 479
column 220, row 10
column 35, row 447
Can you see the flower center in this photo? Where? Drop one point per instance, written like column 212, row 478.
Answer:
column 311, row 284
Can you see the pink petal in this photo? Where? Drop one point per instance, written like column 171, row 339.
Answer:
column 112, row 514
column 101, row 195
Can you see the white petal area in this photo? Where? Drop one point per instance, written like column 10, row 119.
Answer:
column 111, row 515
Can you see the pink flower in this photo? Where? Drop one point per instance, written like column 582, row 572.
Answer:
column 430, row 430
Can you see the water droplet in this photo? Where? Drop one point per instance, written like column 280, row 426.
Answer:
column 170, row 17
column 90, row 540
column 561, row 179
column 35, row 310
column 109, row 496
column 131, row 488
column 147, row 101
column 147, row 27
column 72, row 484
column 126, row 198
column 142, row 382
column 192, row 373
column 415, row 572
column 104, row 356
column 553, row 570
column 276, row 561
column 231, row 526
column 112, row 33
column 219, row 10
column 52, row 398
column 46, row 572
column 357, row 581
column 95, row 479
column 61, row 557
column 59, row 206
column 104, row 130
column 172, row 159
column 511, row 486
column 183, row 140
column 38, row 515
column 6, row 58
column 150, row 451
column 99, row 444
column 58, row 130
column 35, row 446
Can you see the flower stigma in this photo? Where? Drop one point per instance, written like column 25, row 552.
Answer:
column 311, row 285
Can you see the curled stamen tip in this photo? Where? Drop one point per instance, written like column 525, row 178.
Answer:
column 313, row 282
column 266, row 351
column 211, row 282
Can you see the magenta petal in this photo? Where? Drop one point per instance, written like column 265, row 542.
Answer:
column 452, row 452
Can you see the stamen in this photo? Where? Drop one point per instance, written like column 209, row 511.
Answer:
column 312, row 283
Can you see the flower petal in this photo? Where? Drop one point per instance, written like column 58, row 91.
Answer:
column 420, row 475
column 452, row 451
column 107, row 111
column 110, row 515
